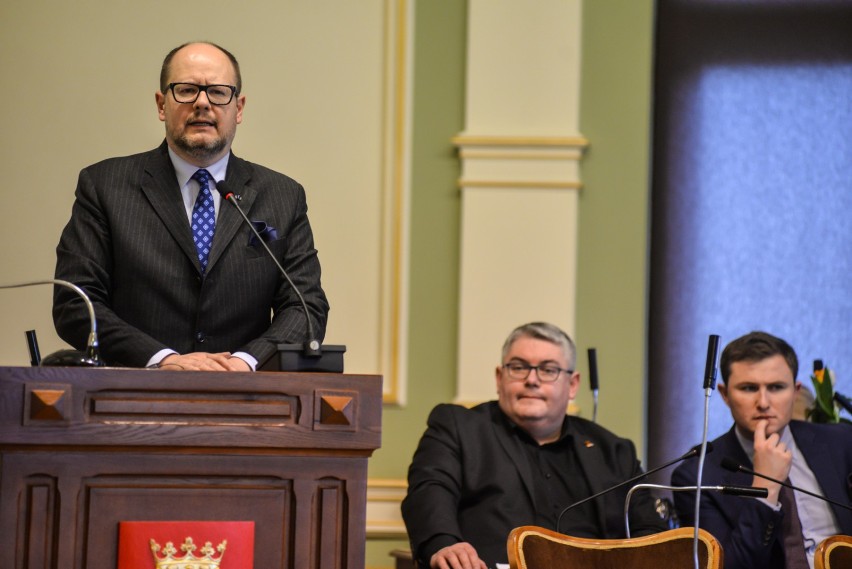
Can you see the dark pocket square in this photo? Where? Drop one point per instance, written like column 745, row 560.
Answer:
column 267, row 233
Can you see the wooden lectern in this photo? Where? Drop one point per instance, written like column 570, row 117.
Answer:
column 84, row 449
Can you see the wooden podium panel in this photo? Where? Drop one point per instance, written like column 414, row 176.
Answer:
column 83, row 449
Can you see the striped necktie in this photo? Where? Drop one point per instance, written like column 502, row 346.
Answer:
column 791, row 531
column 203, row 218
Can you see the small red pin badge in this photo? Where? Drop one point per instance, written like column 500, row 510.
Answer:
column 589, row 444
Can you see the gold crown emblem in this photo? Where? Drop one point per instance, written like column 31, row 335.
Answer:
column 189, row 560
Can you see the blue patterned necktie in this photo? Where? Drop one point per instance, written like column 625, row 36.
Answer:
column 203, row 218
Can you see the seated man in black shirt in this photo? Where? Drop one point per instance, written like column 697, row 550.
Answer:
column 478, row 473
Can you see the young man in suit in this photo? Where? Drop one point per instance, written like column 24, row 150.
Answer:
column 783, row 530
column 478, row 473
column 176, row 278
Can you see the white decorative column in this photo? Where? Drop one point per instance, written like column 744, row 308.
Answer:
column 520, row 153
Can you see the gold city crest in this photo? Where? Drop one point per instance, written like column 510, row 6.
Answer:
column 188, row 561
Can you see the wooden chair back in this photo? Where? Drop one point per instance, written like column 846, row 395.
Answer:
column 532, row 547
column 834, row 552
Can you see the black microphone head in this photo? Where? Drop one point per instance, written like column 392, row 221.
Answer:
column 729, row 463
column 593, row 369
column 224, row 189
column 710, row 367
column 745, row 491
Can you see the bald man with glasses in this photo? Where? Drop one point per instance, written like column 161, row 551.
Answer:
column 478, row 473
column 177, row 280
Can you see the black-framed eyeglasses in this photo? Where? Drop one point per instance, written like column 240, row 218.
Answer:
column 188, row 92
column 547, row 372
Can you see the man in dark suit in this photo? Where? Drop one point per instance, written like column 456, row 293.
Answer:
column 139, row 239
column 478, row 473
column 783, row 530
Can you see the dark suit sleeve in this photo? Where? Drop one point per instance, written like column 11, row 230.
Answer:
column 430, row 509
column 748, row 529
column 84, row 257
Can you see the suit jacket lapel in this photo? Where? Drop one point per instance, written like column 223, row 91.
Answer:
column 730, row 447
column 514, row 449
column 819, row 458
column 229, row 221
column 161, row 188
column 594, row 468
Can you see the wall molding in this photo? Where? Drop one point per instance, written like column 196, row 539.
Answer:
column 467, row 140
column 384, row 500
column 395, row 207
column 542, row 184
column 520, row 153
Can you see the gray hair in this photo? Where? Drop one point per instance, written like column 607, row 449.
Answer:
column 543, row 331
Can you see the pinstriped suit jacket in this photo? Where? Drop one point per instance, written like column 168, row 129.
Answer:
column 129, row 246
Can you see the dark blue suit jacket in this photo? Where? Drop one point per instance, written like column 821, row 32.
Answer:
column 129, row 246
column 750, row 531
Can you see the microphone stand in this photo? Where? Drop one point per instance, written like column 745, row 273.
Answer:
column 689, row 454
column 91, row 357
column 744, row 491
column 709, row 385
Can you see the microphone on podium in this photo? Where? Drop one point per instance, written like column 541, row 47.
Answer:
column 729, row 463
column 310, row 355
column 88, row 358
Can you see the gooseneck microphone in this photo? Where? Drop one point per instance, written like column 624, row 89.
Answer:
column 742, row 491
column 312, row 345
column 593, row 381
column 729, row 463
column 689, row 454
column 90, row 357
column 709, row 386
column 311, row 349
